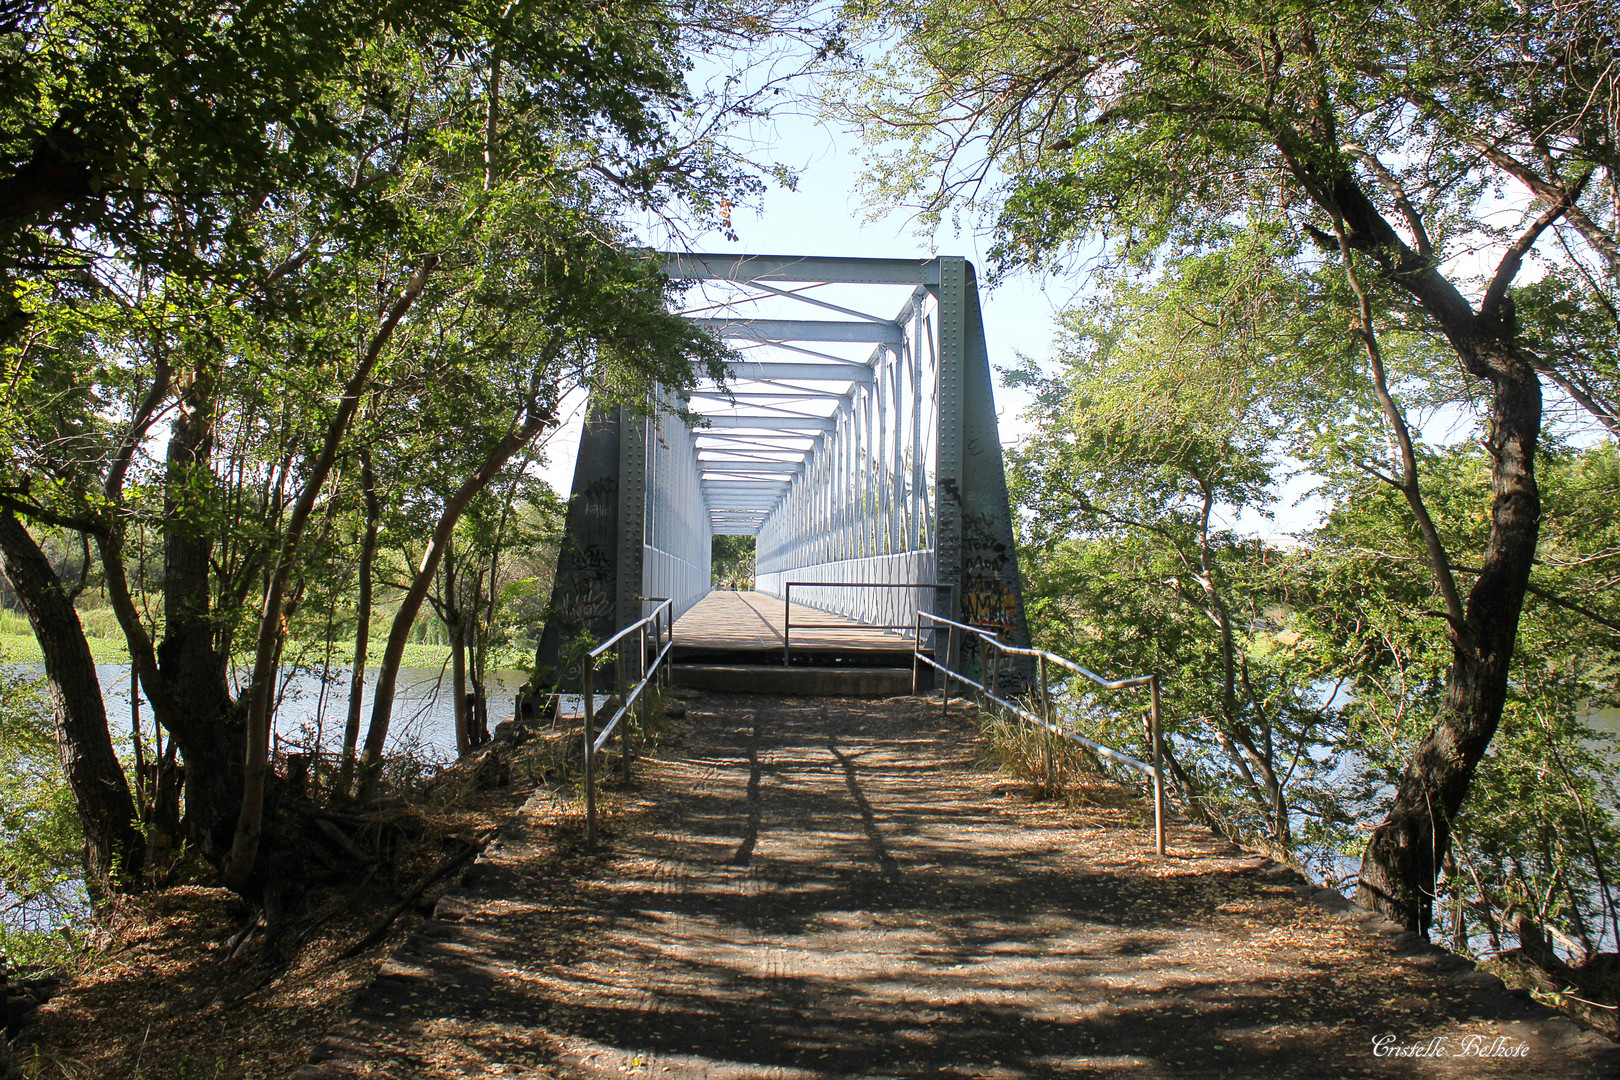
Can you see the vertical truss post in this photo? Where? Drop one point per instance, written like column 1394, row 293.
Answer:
column 896, row 451
column 919, row 466
column 634, row 432
column 586, row 586
column 948, row 468
column 991, row 595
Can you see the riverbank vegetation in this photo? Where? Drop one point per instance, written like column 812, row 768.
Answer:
column 290, row 299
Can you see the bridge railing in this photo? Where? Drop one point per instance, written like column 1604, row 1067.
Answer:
column 661, row 624
column 942, row 660
column 787, row 608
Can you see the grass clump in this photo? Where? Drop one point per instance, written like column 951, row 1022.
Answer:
column 1054, row 768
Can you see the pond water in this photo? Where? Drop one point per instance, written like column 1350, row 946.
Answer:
column 1606, row 722
column 312, row 710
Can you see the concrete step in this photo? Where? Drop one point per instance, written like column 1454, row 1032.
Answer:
column 805, row 681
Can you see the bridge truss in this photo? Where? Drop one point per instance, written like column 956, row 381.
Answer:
column 856, row 446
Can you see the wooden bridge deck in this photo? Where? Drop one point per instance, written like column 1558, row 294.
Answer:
column 753, row 622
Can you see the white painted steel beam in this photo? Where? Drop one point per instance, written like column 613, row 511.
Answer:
column 741, row 328
column 723, row 266
column 709, row 465
column 830, row 369
column 773, row 453
column 792, row 423
column 790, row 394
column 765, row 440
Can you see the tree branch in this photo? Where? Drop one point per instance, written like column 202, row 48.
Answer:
column 1438, row 558
column 1557, row 601
column 1513, row 258
column 1413, row 219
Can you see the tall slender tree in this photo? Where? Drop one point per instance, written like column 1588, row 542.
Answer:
column 1154, row 126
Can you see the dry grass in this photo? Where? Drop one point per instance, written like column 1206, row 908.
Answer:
column 1050, row 767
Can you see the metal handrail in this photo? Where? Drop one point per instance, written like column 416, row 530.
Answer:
column 1043, row 658
column 661, row 620
column 787, row 608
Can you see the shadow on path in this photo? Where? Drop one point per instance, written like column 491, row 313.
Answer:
column 818, row 890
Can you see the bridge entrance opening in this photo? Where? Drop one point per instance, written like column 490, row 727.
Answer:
column 855, row 441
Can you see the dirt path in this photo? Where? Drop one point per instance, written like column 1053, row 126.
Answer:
column 838, row 889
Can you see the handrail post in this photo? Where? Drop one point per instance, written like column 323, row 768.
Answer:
column 664, row 612
column 588, row 684
column 658, row 637
column 621, row 685
column 1046, row 718
column 787, row 622
column 1158, row 764
column 916, row 656
column 945, row 672
column 641, row 705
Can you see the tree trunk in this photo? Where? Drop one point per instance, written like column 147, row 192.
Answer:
column 114, row 850
column 456, row 626
column 362, row 632
column 1403, row 854
column 193, row 695
column 244, row 848
column 382, row 708
column 480, row 645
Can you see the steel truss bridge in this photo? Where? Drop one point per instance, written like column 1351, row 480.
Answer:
column 856, row 440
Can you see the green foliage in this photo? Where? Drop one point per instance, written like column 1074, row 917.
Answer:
column 732, row 562
column 1312, row 219
column 41, row 876
column 353, row 259
column 1533, row 837
column 1167, row 421
column 1179, row 404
